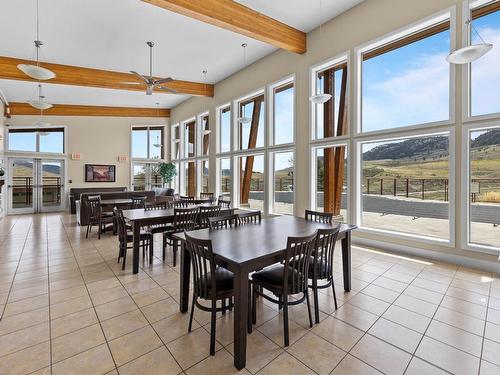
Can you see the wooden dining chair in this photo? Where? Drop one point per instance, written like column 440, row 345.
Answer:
column 223, row 203
column 138, row 202
column 319, row 217
column 210, row 283
column 159, row 228
column 250, row 217
column 126, row 237
column 97, row 217
column 207, row 196
column 181, row 203
column 321, row 265
column 185, row 219
column 186, row 198
column 207, row 212
column 223, row 222
column 286, row 279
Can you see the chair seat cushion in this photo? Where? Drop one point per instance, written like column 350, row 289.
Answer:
column 144, row 235
column 160, row 228
column 321, row 267
column 273, row 277
column 223, row 280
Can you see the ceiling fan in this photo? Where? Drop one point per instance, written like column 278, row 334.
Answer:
column 150, row 81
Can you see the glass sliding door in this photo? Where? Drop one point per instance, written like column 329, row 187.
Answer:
column 51, row 187
column 21, row 183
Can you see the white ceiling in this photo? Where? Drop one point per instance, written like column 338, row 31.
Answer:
column 111, row 35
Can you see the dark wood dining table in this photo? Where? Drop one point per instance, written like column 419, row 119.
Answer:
column 251, row 247
column 116, row 202
column 142, row 218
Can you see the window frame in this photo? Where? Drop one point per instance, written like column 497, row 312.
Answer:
column 184, row 154
column 271, row 114
column 271, row 179
column 235, row 112
column 465, row 237
column 218, row 120
column 148, row 128
column 36, row 130
column 467, row 14
column 201, row 134
column 174, row 141
column 389, row 38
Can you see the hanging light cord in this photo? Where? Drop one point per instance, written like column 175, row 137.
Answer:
column 38, row 43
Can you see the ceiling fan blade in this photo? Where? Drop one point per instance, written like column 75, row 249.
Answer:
column 163, row 80
column 163, row 88
column 149, row 90
column 142, row 78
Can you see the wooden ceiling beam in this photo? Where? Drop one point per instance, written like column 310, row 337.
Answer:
column 20, row 109
column 230, row 15
column 80, row 76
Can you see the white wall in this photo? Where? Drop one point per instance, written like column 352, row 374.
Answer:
column 363, row 23
column 100, row 140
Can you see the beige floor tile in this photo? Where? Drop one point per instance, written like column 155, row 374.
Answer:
column 416, row 305
column 493, row 316
column 111, row 309
column 488, row 368
column 438, row 287
column 352, row 366
column 173, row 327
column 491, row 352
column 464, row 307
column 260, row 351
column 134, row 344
column 384, row 357
column 108, row 295
column 149, row 296
column 447, row 357
column 20, row 294
column 339, row 333
column 459, row 320
column 24, row 338
column 419, row 367
column 492, row 332
column 381, row 293
column 317, row 353
column 67, row 294
column 140, row 286
column 286, row 364
column 76, row 342
column 16, row 322
column 396, row 335
column 407, row 318
column 390, row 284
column 274, row 330
column 123, row 324
column 455, row 337
column 69, row 307
column 156, row 362
column 224, row 333
column 423, row 294
column 17, row 363
column 25, row 305
column 221, row 363
column 356, row 317
column 73, row 322
column 160, row 310
column 97, row 360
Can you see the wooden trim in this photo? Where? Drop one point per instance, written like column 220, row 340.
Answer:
column 20, row 109
column 412, row 38
column 235, row 17
column 252, row 142
column 79, row 76
column 485, row 10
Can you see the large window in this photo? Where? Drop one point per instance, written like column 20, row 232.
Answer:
column 224, row 177
column 330, row 180
column 189, row 178
column 407, row 81
column 175, row 143
column 485, row 72
column 252, row 181
column 204, row 176
column 147, row 142
column 484, row 187
column 46, row 140
column 251, row 122
column 204, row 134
column 330, row 117
column 189, row 139
column 224, row 129
column 145, row 176
column 283, row 183
column 283, row 114
column 405, row 185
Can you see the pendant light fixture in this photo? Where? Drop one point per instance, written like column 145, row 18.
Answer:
column 244, row 119
column 158, row 143
column 41, row 124
column 36, row 71
column 40, row 103
column 204, row 77
column 320, row 98
column 471, row 52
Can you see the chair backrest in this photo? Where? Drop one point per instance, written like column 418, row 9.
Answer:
column 138, row 202
column 176, row 196
column 207, row 212
column 250, row 217
column 185, row 219
column 318, row 216
column 158, row 206
column 297, row 257
column 223, row 203
column 323, row 254
column 207, row 195
column 181, row 203
column 203, row 264
column 93, row 203
column 186, row 198
column 121, row 226
column 222, row 222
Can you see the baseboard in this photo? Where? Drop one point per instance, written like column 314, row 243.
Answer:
column 460, row 260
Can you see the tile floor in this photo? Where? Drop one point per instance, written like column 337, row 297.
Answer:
column 67, row 308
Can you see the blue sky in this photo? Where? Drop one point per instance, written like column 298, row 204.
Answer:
column 51, row 142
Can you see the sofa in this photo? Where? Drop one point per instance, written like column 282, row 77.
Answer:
column 75, row 193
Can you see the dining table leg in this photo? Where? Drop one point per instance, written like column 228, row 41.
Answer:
column 184, row 278
column 240, row 317
column 136, row 242
column 346, row 260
